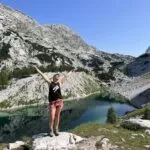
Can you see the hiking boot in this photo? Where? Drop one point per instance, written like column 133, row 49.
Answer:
column 51, row 133
column 56, row 132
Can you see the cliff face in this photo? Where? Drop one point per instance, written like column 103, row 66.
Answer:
column 33, row 89
column 23, row 40
column 139, row 66
column 138, row 90
column 53, row 48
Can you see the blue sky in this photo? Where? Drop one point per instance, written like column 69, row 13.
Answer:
column 115, row 26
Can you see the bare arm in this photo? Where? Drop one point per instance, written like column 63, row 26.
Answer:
column 42, row 74
column 62, row 79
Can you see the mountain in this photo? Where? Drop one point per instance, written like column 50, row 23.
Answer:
column 139, row 66
column 148, row 50
column 53, row 48
column 23, row 40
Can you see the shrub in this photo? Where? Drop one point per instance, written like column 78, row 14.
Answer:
column 44, row 58
column 95, row 62
column 23, row 72
column 4, row 78
column 130, row 126
column 111, row 116
column 80, row 69
column 105, row 76
column 4, row 104
column 4, row 51
column 144, row 56
column 117, row 63
column 146, row 114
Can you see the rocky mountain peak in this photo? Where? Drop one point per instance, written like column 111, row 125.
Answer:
column 148, row 50
column 23, row 40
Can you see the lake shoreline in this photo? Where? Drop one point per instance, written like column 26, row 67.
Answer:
column 95, row 94
column 15, row 108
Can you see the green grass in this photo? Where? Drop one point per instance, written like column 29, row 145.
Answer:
column 5, row 104
column 2, row 146
column 113, row 96
column 146, row 75
column 117, row 135
column 137, row 112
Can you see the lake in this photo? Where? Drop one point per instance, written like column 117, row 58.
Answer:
column 33, row 120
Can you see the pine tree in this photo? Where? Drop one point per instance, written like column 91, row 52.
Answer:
column 111, row 115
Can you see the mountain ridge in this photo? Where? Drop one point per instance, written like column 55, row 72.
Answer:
column 55, row 48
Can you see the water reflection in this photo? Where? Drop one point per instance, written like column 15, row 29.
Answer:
column 33, row 120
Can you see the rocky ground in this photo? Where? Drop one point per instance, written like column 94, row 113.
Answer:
column 130, row 132
column 65, row 141
column 92, row 137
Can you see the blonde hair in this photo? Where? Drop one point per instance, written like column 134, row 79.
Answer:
column 54, row 76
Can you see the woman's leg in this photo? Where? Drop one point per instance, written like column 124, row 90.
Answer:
column 52, row 118
column 57, row 117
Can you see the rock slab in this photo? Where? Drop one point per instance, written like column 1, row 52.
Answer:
column 140, row 122
column 65, row 141
column 16, row 145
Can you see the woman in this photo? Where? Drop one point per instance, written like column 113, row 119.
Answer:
column 55, row 99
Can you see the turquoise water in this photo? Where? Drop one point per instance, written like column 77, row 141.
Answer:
column 33, row 120
column 96, row 112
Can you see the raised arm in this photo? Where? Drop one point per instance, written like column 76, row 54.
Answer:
column 63, row 78
column 42, row 74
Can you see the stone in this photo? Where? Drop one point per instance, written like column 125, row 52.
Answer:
column 135, row 135
column 147, row 146
column 123, row 140
column 147, row 131
column 64, row 141
column 114, row 131
column 104, row 144
column 16, row 145
column 141, row 122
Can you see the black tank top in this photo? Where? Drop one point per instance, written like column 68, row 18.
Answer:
column 54, row 91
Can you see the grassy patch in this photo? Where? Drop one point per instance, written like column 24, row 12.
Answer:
column 137, row 112
column 113, row 96
column 26, row 139
column 90, row 86
column 131, row 126
column 117, row 135
column 5, row 104
column 146, row 76
column 2, row 146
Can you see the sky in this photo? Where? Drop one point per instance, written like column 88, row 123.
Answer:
column 114, row 26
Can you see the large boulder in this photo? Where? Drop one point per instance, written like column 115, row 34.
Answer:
column 16, row 145
column 69, row 141
column 64, row 141
column 135, row 124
